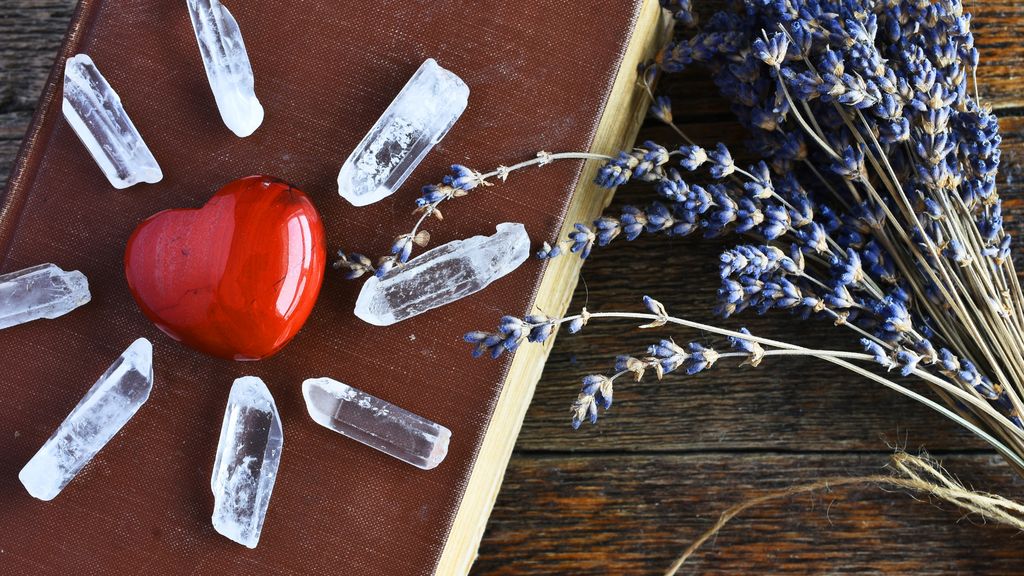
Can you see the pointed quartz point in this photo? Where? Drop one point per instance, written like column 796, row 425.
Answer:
column 227, row 66
column 104, row 409
column 376, row 423
column 248, row 455
column 418, row 118
column 442, row 275
column 43, row 291
column 94, row 111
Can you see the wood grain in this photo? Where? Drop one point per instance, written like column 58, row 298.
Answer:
column 30, row 35
column 627, row 495
column 634, row 514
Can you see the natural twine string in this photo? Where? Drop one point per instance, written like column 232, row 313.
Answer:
column 917, row 473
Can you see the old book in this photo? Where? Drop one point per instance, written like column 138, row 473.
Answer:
column 543, row 76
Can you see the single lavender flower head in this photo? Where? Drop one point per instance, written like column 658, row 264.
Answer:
column 464, row 178
column 661, row 109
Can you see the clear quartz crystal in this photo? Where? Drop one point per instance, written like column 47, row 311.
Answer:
column 442, row 275
column 416, row 120
column 94, row 111
column 43, row 291
column 104, row 409
column 248, row 455
column 376, row 423
column 227, row 66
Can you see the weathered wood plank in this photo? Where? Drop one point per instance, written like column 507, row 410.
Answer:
column 31, row 32
column 1000, row 43
column 622, row 514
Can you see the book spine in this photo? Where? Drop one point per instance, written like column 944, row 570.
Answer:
column 625, row 110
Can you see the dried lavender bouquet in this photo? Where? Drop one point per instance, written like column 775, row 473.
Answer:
column 875, row 206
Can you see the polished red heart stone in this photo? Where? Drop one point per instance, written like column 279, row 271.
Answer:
column 236, row 278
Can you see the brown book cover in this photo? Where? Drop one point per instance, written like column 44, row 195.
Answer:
column 540, row 75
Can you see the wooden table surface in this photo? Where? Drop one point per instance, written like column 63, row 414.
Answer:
column 627, row 495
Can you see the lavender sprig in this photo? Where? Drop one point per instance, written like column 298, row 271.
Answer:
column 666, row 356
column 455, row 185
column 753, row 206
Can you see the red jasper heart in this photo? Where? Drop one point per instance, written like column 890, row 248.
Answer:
column 236, row 278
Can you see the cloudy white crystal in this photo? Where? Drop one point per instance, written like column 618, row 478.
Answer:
column 94, row 111
column 227, row 66
column 443, row 275
column 417, row 119
column 248, row 455
column 107, row 407
column 43, row 291
column 376, row 423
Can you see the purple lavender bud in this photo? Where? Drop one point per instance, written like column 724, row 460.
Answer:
column 893, row 315
column 582, row 240
column 672, row 187
column 773, row 52
column 661, row 109
column 541, row 333
column 463, row 178
column 511, row 325
column 984, row 387
column 576, row 325
column 907, row 361
column 384, row 267
column 723, row 162
column 1004, row 400
column 607, row 229
column 692, row 157
column 544, row 252
column 633, row 220
column 831, row 62
column 592, row 383
column 654, row 306
column 475, row 336
column 431, row 194
column 494, row 339
column 658, row 217
column 851, row 165
column 741, row 344
column 511, row 344
column 731, row 291
column 955, row 251
column 876, row 350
